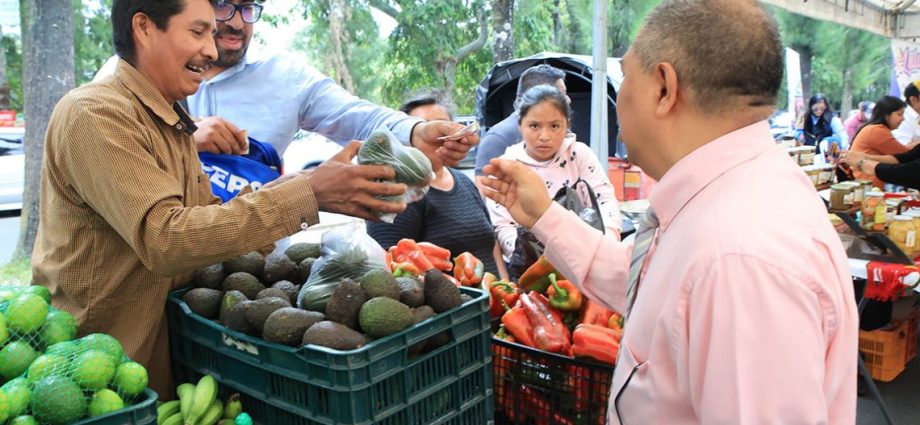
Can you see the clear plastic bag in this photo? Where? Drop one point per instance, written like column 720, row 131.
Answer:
column 411, row 165
column 346, row 252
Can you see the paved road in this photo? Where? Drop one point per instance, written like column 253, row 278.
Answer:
column 9, row 234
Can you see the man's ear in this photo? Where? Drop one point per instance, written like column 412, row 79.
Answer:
column 142, row 28
column 666, row 78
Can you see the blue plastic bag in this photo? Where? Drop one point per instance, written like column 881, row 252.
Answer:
column 229, row 174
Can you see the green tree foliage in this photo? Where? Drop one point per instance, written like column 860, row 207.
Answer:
column 92, row 36
column 12, row 47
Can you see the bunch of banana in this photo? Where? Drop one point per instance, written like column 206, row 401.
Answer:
column 198, row 405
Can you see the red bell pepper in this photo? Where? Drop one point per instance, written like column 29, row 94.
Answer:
column 549, row 332
column 563, row 295
column 502, row 294
column 468, row 269
column 503, row 334
column 596, row 342
column 536, row 277
column 517, row 323
column 556, row 313
column 593, row 313
column 433, row 251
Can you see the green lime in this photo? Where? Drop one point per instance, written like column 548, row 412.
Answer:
column 59, row 326
column 4, row 407
column 130, row 378
column 4, row 333
column 19, row 394
column 15, row 359
column 26, row 314
column 66, row 349
column 104, row 342
column 93, row 369
column 24, row 420
column 7, row 294
column 57, row 400
column 46, row 365
column 38, row 290
column 105, row 401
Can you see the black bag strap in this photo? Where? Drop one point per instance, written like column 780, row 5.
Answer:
column 590, row 195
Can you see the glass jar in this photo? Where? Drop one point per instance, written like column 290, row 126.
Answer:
column 839, row 197
column 826, row 174
column 807, row 155
column 859, row 192
column 812, row 172
column 903, row 233
column 869, row 206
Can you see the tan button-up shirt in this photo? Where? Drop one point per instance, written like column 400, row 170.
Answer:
column 127, row 213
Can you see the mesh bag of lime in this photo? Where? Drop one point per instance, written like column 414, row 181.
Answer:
column 48, row 376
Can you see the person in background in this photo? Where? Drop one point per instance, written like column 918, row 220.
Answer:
column 819, row 126
column 452, row 214
column 732, row 316
column 908, row 133
column 116, row 237
column 901, row 169
column 858, row 118
column 269, row 97
column 554, row 154
column 507, row 132
column 875, row 138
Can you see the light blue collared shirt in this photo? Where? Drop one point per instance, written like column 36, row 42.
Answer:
column 274, row 95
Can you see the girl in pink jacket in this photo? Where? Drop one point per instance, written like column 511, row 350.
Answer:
column 550, row 150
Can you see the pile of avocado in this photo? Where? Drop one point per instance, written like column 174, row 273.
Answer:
column 258, row 296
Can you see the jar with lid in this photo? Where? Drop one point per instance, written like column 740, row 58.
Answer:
column 859, row 192
column 903, row 233
column 826, row 174
column 839, row 197
column 807, row 155
column 812, row 172
column 870, row 205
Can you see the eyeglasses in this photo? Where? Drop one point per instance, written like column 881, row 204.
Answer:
column 250, row 12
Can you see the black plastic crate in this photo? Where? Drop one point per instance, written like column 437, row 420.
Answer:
column 536, row 387
column 378, row 383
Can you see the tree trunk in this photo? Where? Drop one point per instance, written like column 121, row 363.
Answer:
column 502, row 30
column 557, row 23
column 805, row 57
column 448, row 69
column 846, row 101
column 338, row 15
column 574, row 33
column 4, row 80
column 48, row 73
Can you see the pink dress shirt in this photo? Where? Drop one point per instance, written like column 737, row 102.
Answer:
column 745, row 312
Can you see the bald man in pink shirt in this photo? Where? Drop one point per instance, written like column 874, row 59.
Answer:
column 743, row 309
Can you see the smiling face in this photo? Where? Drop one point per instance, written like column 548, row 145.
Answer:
column 233, row 38
column 543, row 128
column 175, row 58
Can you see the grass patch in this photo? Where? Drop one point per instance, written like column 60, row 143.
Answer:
column 16, row 272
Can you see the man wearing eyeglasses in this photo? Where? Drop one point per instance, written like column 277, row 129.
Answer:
column 272, row 96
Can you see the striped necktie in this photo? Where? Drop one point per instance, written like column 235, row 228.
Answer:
column 648, row 224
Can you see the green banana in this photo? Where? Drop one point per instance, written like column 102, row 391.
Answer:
column 226, row 421
column 204, row 395
column 212, row 415
column 165, row 410
column 185, row 391
column 173, row 420
column 233, row 407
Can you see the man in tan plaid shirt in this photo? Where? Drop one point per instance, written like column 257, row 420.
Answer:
column 126, row 212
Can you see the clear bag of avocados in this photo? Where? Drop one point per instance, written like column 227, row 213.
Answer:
column 346, row 252
column 411, row 165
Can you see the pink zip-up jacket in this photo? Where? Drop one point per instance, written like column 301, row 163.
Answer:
column 745, row 312
column 573, row 161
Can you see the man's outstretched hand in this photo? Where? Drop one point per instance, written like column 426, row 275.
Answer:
column 345, row 188
column 450, row 152
column 517, row 188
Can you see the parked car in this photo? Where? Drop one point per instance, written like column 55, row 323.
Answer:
column 308, row 150
column 12, row 168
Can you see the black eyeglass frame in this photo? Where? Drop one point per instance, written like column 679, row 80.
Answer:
column 239, row 7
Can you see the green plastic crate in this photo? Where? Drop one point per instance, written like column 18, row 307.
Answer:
column 378, row 383
column 144, row 412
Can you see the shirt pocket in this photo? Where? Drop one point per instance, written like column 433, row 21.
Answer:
column 631, row 403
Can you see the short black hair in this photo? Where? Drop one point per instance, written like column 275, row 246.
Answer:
column 424, row 98
column 538, row 75
column 911, row 91
column 726, row 51
column 123, row 11
column 544, row 93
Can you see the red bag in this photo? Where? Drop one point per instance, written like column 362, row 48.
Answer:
column 888, row 281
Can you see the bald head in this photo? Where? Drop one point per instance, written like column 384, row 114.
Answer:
column 727, row 53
